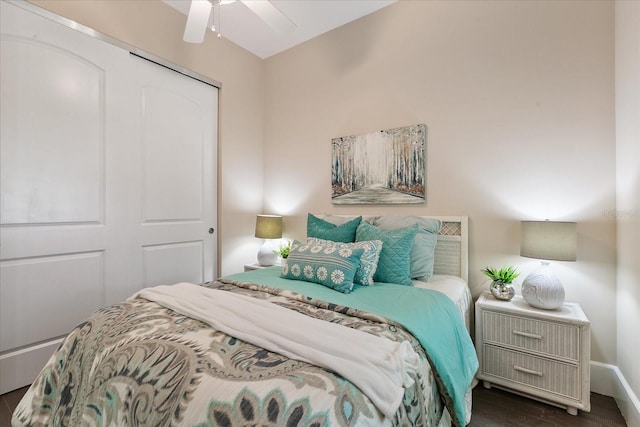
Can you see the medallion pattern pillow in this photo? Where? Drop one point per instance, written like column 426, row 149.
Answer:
column 327, row 265
column 368, row 261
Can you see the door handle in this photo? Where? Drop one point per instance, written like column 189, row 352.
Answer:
column 211, row 230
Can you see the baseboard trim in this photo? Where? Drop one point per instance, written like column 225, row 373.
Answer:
column 604, row 378
column 608, row 380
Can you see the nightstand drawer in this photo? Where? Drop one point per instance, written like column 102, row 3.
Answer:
column 537, row 372
column 544, row 337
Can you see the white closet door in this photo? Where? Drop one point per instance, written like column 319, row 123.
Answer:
column 107, row 179
column 177, row 160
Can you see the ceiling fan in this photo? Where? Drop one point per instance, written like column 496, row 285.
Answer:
column 200, row 16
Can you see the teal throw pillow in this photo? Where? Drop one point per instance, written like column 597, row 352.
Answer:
column 368, row 261
column 394, row 263
column 329, row 265
column 424, row 244
column 325, row 230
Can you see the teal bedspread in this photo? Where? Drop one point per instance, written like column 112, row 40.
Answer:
column 429, row 315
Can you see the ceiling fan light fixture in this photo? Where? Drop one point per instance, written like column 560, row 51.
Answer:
column 271, row 15
column 197, row 21
column 205, row 14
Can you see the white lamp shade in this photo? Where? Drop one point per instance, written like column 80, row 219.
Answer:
column 269, row 226
column 548, row 240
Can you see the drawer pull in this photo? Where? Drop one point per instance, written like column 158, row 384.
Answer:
column 527, row 371
column 527, row 334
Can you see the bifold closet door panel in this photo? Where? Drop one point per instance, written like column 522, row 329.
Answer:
column 107, row 180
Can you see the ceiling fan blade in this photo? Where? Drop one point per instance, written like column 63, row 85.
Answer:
column 271, row 15
column 197, row 21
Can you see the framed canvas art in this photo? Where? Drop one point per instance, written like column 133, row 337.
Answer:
column 382, row 167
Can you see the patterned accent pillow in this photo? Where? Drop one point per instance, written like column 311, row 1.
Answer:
column 368, row 262
column 322, row 229
column 394, row 263
column 328, row 265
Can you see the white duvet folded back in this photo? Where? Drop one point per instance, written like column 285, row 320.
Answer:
column 379, row 367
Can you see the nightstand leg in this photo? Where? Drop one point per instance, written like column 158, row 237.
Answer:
column 487, row 384
column 572, row 411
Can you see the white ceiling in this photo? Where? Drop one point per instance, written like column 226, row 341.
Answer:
column 237, row 23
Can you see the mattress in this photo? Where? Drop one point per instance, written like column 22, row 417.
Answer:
column 456, row 289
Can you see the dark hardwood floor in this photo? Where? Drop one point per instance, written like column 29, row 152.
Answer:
column 494, row 407
column 491, row 407
column 8, row 403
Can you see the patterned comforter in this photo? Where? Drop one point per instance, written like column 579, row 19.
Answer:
column 137, row 363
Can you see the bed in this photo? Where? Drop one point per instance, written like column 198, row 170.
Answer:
column 290, row 345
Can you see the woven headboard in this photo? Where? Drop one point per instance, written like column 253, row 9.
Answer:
column 452, row 247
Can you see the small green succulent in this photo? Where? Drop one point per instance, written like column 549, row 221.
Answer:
column 503, row 275
column 284, row 249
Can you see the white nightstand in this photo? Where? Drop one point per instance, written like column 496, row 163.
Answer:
column 542, row 354
column 249, row 267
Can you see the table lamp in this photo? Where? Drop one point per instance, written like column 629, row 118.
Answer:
column 546, row 240
column 268, row 227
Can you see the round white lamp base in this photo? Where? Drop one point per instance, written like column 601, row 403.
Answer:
column 266, row 254
column 542, row 289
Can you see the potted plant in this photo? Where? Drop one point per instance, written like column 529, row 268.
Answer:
column 283, row 251
column 501, row 279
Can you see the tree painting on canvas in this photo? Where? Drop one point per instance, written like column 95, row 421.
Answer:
column 382, row 167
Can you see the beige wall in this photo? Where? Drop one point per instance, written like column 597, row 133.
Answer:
column 156, row 28
column 627, row 62
column 518, row 99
